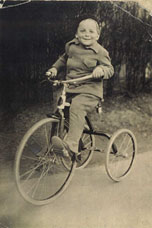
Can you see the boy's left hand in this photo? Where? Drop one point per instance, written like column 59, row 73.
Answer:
column 98, row 73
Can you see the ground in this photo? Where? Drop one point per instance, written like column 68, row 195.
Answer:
column 119, row 111
column 88, row 193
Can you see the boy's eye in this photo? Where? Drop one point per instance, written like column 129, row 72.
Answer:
column 82, row 30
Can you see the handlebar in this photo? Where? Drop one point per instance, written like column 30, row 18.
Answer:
column 70, row 81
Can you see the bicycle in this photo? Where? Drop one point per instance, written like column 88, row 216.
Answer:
column 42, row 175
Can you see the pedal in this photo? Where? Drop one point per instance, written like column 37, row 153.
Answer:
column 98, row 150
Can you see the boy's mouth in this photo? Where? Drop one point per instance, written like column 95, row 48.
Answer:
column 86, row 39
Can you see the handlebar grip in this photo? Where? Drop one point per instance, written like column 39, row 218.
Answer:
column 48, row 73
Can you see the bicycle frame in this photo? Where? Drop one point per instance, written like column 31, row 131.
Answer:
column 93, row 131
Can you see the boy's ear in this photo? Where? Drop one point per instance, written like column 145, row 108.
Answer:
column 97, row 38
column 76, row 36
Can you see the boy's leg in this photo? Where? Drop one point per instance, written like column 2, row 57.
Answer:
column 80, row 106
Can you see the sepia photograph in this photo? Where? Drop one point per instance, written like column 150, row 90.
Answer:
column 75, row 114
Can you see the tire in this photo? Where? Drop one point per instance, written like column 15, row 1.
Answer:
column 39, row 173
column 86, row 148
column 120, row 154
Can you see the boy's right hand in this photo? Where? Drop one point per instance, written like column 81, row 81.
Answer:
column 51, row 73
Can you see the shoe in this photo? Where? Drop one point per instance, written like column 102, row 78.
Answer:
column 61, row 147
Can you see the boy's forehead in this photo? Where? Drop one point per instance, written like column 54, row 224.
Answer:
column 88, row 23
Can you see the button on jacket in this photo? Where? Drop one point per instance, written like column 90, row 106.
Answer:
column 80, row 61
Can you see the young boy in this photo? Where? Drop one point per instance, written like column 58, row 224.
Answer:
column 83, row 56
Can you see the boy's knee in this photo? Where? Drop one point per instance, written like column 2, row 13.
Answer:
column 77, row 109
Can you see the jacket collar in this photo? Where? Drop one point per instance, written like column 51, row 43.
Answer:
column 94, row 47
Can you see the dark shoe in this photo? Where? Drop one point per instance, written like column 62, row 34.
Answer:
column 61, row 147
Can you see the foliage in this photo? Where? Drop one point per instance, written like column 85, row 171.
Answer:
column 34, row 36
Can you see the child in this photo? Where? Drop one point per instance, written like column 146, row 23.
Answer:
column 83, row 56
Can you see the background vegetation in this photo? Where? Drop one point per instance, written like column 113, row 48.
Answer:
column 32, row 37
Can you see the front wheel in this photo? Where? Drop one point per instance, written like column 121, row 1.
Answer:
column 39, row 172
column 120, row 154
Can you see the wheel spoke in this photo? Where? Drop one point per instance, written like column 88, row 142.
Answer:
column 31, row 171
column 38, row 181
column 24, row 157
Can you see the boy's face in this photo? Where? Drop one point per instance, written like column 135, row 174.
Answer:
column 87, row 32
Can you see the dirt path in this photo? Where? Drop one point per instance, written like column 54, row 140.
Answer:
column 91, row 201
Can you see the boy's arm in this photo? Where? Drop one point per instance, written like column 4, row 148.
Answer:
column 104, row 62
column 61, row 62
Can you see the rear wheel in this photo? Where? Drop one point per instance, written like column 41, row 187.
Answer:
column 120, row 154
column 39, row 172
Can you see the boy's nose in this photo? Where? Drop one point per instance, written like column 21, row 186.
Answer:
column 87, row 34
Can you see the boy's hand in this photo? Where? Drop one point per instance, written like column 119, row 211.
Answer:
column 98, row 73
column 52, row 72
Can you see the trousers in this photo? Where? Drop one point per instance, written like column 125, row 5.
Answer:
column 81, row 105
